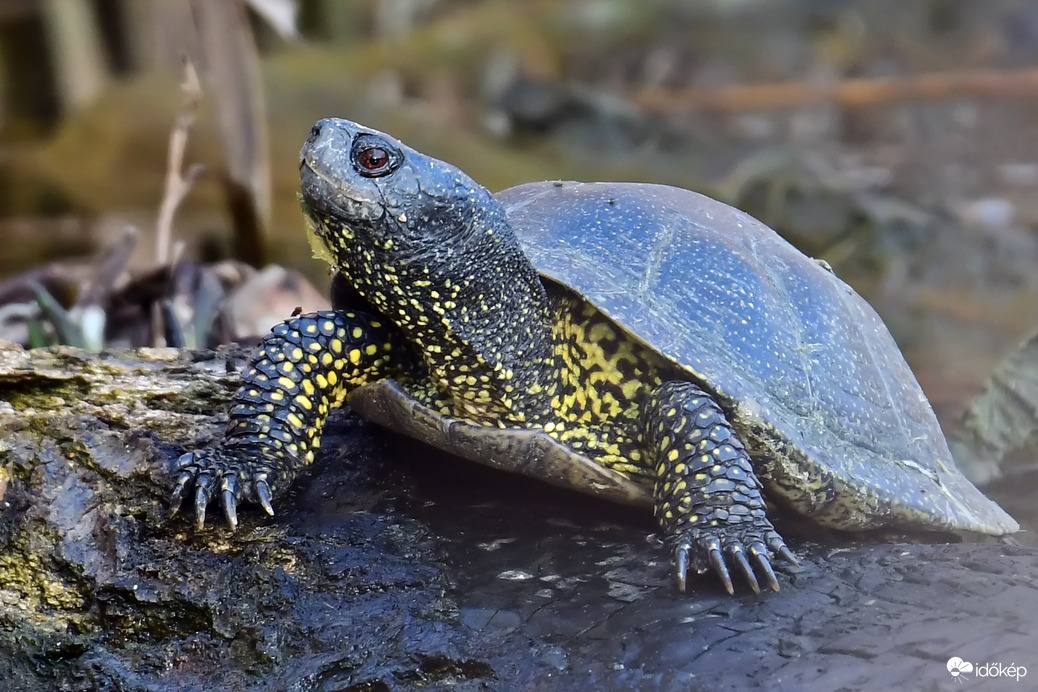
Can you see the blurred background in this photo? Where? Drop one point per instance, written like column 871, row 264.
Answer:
column 897, row 141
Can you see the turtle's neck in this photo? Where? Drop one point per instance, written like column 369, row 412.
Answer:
column 476, row 309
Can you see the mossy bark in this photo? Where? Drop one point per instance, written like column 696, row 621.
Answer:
column 395, row 567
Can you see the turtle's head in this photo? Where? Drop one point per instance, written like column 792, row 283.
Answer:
column 426, row 245
column 377, row 206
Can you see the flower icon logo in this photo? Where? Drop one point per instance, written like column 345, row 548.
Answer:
column 956, row 666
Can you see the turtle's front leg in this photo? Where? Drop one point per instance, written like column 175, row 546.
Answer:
column 302, row 370
column 707, row 497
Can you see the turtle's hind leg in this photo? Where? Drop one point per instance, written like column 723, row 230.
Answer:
column 707, row 497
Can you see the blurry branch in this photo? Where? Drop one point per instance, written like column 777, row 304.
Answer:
column 998, row 435
column 177, row 183
column 75, row 46
column 233, row 78
column 850, row 92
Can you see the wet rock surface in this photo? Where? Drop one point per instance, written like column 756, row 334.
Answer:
column 392, row 566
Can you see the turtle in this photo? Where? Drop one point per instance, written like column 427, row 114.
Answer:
column 639, row 342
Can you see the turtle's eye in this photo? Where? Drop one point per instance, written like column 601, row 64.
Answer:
column 373, row 158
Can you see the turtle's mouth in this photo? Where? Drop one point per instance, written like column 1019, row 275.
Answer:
column 338, row 210
column 317, row 236
column 328, row 194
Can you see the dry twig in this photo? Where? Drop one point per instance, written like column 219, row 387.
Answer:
column 178, row 183
column 847, row 93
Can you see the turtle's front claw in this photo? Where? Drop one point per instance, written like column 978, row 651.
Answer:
column 263, row 495
column 226, row 476
column 185, row 478
column 230, row 491
column 203, row 493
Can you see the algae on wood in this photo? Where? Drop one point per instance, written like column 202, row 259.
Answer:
column 396, row 567
column 100, row 590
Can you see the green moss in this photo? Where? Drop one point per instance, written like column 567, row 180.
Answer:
column 36, row 585
column 38, row 391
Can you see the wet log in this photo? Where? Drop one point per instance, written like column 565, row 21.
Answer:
column 395, row 567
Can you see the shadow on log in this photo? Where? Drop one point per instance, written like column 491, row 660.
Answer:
column 394, row 567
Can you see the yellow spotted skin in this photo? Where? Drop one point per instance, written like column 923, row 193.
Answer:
column 438, row 299
column 708, row 497
column 598, row 390
column 639, row 342
column 301, row 371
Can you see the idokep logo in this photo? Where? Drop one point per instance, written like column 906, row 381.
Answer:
column 957, row 667
column 961, row 670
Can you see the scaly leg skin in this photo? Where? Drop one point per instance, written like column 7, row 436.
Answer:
column 302, row 370
column 707, row 498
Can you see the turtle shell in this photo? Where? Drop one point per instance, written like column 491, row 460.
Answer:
column 805, row 368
